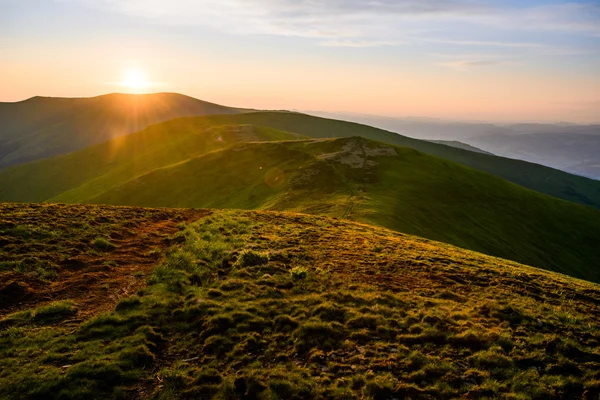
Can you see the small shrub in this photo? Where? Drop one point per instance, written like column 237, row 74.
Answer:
column 492, row 358
column 232, row 285
column 220, row 323
column 175, row 378
column 368, row 321
column 54, row 312
column 323, row 335
column 329, row 312
column 381, row 387
column 285, row 323
column 248, row 387
column 470, row 339
column 139, row 356
column 291, row 387
column 208, row 375
column 103, row 244
column 251, row 258
column 46, row 274
column 299, row 273
column 102, row 372
column 129, row 303
column 217, row 345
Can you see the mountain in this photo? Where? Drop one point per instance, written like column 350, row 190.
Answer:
column 203, row 162
column 106, row 302
column 461, row 145
column 41, row 127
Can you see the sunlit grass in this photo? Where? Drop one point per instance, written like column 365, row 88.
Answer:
column 273, row 305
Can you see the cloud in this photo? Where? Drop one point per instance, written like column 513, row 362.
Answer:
column 465, row 65
column 364, row 23
column 582, row 17
column 487, row 43
column 361, row 43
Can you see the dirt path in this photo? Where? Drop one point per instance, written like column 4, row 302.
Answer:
column 96, row 281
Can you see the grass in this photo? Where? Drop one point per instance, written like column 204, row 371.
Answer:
column 397, row 188
column 83, row 174
column 223, row 317
column 66, row 252
column 241, row 162
column 103, row 244
column 532, row 176
column 42, row 127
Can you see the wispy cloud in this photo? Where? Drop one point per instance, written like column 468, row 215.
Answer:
column 482, row 43
column 465, row 65
column 361, row 43
column 359, row 23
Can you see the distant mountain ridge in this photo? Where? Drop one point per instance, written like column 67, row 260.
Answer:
column 461, row 145
column 577, row 153
column 42, row 127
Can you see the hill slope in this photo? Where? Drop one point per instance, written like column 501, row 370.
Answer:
column 86, row 173
column 536, row 177
column 41, row 127
column 278, row 305
column 176, row 164
column 395, row 187
column 533, row 176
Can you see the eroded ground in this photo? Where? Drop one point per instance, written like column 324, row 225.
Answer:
column 93, row 256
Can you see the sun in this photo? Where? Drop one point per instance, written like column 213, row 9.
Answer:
column 135, row 79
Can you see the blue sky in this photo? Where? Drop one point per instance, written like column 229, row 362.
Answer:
column 509, row 60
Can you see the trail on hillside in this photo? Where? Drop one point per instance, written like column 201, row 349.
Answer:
column 94, row 280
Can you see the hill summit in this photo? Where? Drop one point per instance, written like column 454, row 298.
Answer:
column 41, row 127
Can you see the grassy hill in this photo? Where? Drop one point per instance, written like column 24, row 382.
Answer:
column 201, row 162
column 394, row 187
column 41, row 127
column 180, row 304
column 533, row 176
column 86, row 173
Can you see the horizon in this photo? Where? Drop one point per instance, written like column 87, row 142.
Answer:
column 460, row 60
column 330, row 114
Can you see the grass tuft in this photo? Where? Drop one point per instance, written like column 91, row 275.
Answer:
column 103, row 244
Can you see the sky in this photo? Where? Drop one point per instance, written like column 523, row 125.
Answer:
column 536, row 61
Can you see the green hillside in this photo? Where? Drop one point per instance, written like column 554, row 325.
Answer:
column 395, row 187
column 204, row 162
column 533, row 176
column 41, row 127
column 89, row 124
column 198, row 304
column 86, row 173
